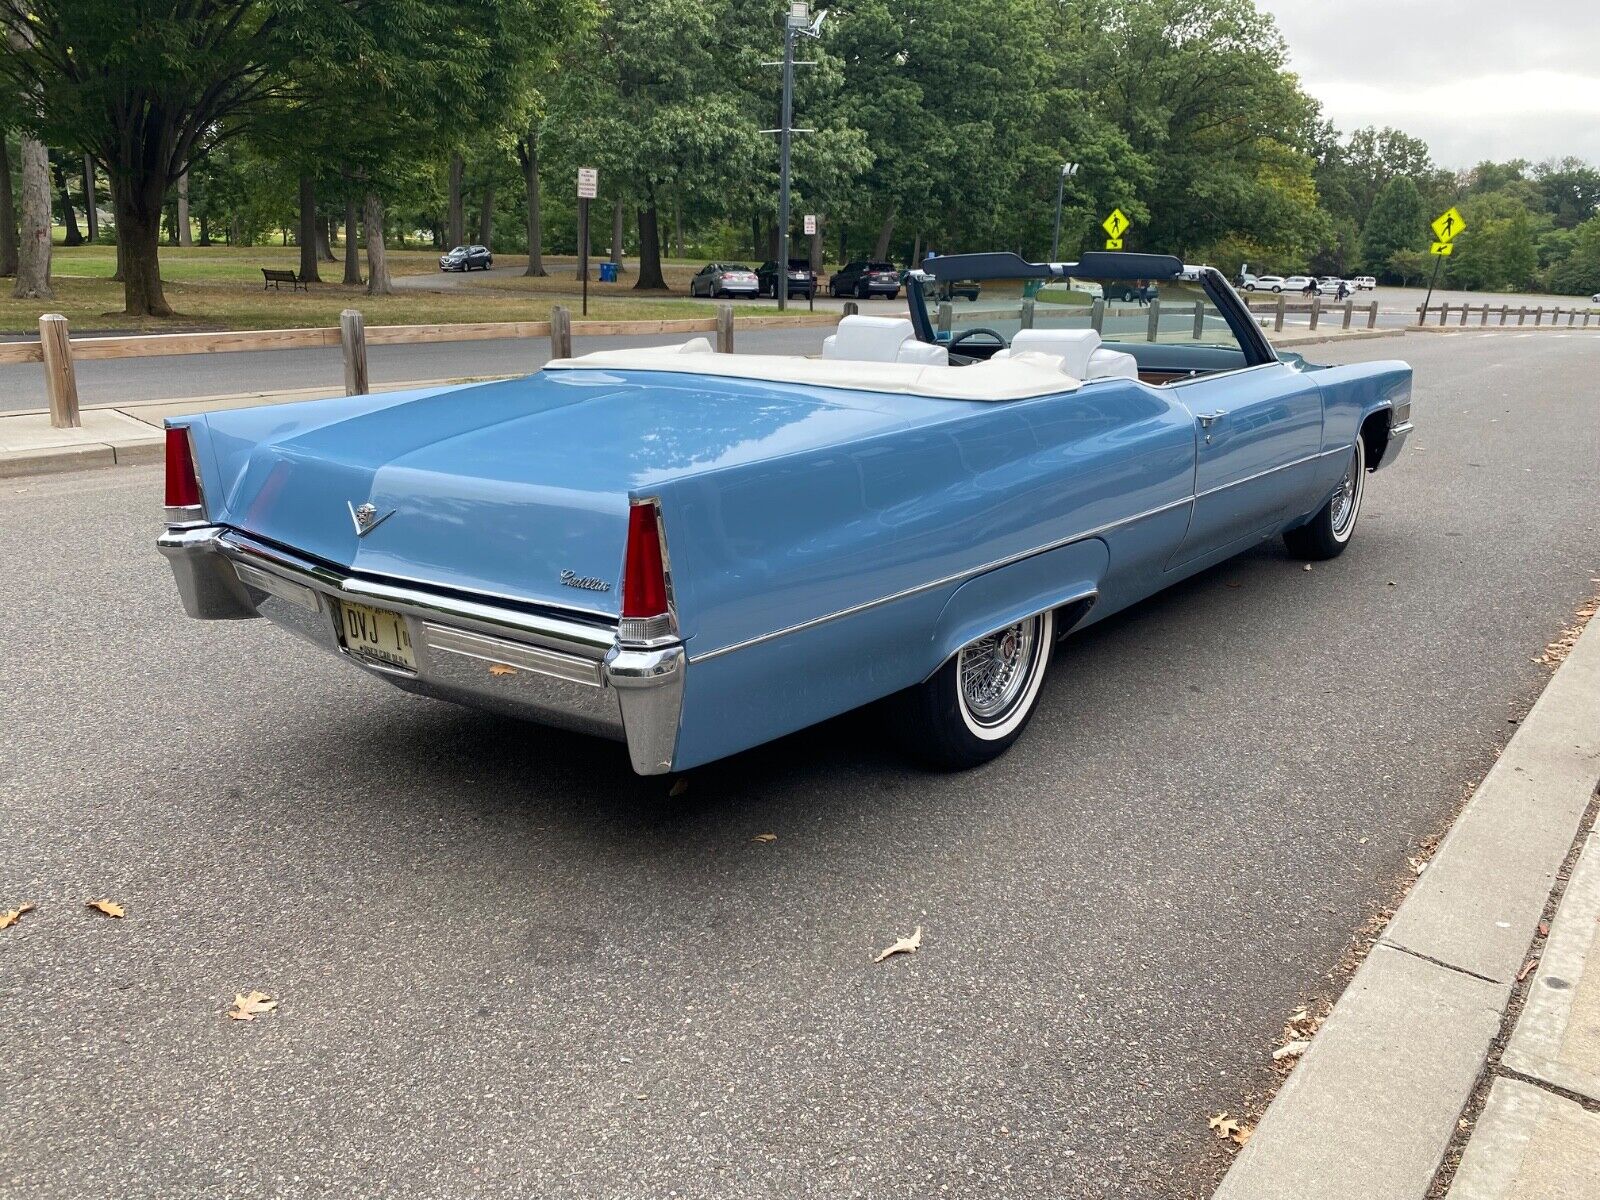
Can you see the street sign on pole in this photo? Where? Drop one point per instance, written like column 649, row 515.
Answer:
column 811, row 224
column 1115, row 226
column 588, row 185
column 1448, row 225
column 1442, row 249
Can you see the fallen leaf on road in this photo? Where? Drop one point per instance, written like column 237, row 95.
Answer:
column 906, row 945
column 1243, row 1134
column 1527, row 969
column 246, row 1008
column 1223, row 1125
column 1300, row 1016
column 1308, row 566
column 679, row 788
column 1417, row 865
column 501, row 669
column 1292, row 1050
column 11, row 916
column 765, row 837
column 1544, row 928
column 110, row 907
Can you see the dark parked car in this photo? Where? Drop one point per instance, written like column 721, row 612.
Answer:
column 724, row 279
column 802, row 282
column 466, row 258
column 863, row 280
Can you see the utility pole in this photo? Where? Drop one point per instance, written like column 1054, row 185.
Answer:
column 796, row 21
column 1068, row 170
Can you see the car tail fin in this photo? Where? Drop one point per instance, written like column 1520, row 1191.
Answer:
column 647, row 610
column 183, row 500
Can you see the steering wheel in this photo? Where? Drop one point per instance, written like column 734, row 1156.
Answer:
column 974, row 332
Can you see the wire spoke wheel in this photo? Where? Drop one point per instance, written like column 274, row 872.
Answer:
column 993, row 672
column 1346, row 502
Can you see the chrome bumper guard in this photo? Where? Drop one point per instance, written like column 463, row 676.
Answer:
column 571, row 673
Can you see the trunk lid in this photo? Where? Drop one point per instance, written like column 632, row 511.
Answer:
column 517, row 489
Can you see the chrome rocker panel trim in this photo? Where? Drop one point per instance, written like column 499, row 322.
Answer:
column 568, row 673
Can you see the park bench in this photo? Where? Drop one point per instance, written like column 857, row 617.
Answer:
column 272, row 279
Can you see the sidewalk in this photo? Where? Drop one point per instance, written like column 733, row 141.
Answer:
column 1476, row 996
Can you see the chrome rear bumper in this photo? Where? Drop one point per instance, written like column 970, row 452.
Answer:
column 556, row 670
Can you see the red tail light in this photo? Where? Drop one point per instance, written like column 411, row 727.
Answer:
column 183, row 488
column 644, row 573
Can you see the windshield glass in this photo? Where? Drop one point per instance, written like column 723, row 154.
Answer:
column 1135, row 316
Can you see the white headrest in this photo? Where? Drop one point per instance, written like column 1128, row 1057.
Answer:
column 698, row 345
column 1112, row 364
column 1073, row 346
column 869, row 339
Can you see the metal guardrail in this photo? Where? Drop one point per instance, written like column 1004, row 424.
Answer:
column 58, row 351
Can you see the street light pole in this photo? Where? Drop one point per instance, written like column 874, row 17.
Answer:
column 784, row 132
column 1068, row 170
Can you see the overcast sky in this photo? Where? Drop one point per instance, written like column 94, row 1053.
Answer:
column 1475, row 79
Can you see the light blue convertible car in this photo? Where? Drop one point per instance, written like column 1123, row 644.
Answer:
column 695, row 553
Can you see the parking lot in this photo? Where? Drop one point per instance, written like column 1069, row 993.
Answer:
column 508, row 967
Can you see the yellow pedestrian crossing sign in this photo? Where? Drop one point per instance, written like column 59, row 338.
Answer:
column 1447, row 225
column 1115, row 226
column 1442, row 249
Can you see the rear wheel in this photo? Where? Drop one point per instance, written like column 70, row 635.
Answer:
column 980, row 701
column 1329, row 532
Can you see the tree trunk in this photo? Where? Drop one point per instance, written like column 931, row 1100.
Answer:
column 650, row 277
column 325, row 237
column 8, row 214
column 456, row 218
column 486, row 218
column 616, row 233
column 755, row 235
column 377, row 265
column 528, row 152
column 352, row 251
column 184, row 238
column 138, row 205
column 916, row 250
column 91, row 205
column 205, row 229
column 308, row 230
column 33, row 259
column 677, row 225
column 885, row 235
column 69, row 218
column 844, row 250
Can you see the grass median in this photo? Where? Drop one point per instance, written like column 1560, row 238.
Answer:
column 220, row 287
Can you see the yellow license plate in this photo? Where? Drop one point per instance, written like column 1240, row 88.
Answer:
column 376, row 633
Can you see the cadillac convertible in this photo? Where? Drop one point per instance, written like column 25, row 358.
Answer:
column 695, row 553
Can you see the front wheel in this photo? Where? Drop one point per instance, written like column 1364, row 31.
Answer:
column 1329, row 532
column 979, row 702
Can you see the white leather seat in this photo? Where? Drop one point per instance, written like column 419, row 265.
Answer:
column 1112, row 364
column 1073, row 346
column 881, row 339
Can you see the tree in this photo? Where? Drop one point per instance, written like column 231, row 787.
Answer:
column 1579, row 273
column 8, row 212
column 1397, row 223
column 1498, row 251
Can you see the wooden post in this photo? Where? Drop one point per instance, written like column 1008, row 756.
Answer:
column 1522, row 314
column 60, row 381
column 1349, row 311
column 1503, row 311
column 1484, row 320
column 725, row 329
column 1572, row 317
column 1199, row 320
column 1316, row 309
column 851, row 308
column 946, row 316
column 1555, row 317
column 1097, row 315
column 353, row 340
column 1538, row 316
column 1372, row 316
column 1154, row 326
column 1422, row 314
column 1277, row 319
column 1444, row 314
column 1465, row 309
column 1027, row 313
column 560, row 332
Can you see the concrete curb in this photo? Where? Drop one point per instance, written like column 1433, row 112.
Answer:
column 1502, row 328
column 1288, row 340
column 1372, row 1107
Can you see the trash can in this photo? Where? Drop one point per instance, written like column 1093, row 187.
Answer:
column 608, row 272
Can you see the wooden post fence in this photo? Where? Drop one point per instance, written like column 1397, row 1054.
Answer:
column 1349, row 311
column 725, row 329
column 946, row 316
column 1154, row 327
column 1097, row 315
column 1316, row 309
column 1199, row 320
column 1277, row 317
column 1465, row 309
column 353, row 340
column 560, row 332
column 851, row 308
column 60, row 381
column 1372, row 315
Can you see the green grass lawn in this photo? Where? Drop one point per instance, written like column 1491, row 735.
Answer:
column 219, row 287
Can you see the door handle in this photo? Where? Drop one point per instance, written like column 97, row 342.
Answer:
column 1207, row 420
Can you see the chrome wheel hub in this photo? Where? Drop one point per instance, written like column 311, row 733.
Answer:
column 992, row 672
column 1347, row 498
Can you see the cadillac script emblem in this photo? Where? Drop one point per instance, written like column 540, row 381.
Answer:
column 587, row 582
column 366, row 517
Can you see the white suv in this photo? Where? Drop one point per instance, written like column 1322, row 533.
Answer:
column 1363, row 283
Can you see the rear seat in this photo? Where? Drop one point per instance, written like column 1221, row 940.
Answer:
column 882, row 339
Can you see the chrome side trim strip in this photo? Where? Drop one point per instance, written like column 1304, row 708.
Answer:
column 1271, row 470
column 478, row 646
column 956, row 577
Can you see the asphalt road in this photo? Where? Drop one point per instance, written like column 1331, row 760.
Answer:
column 508, row 967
